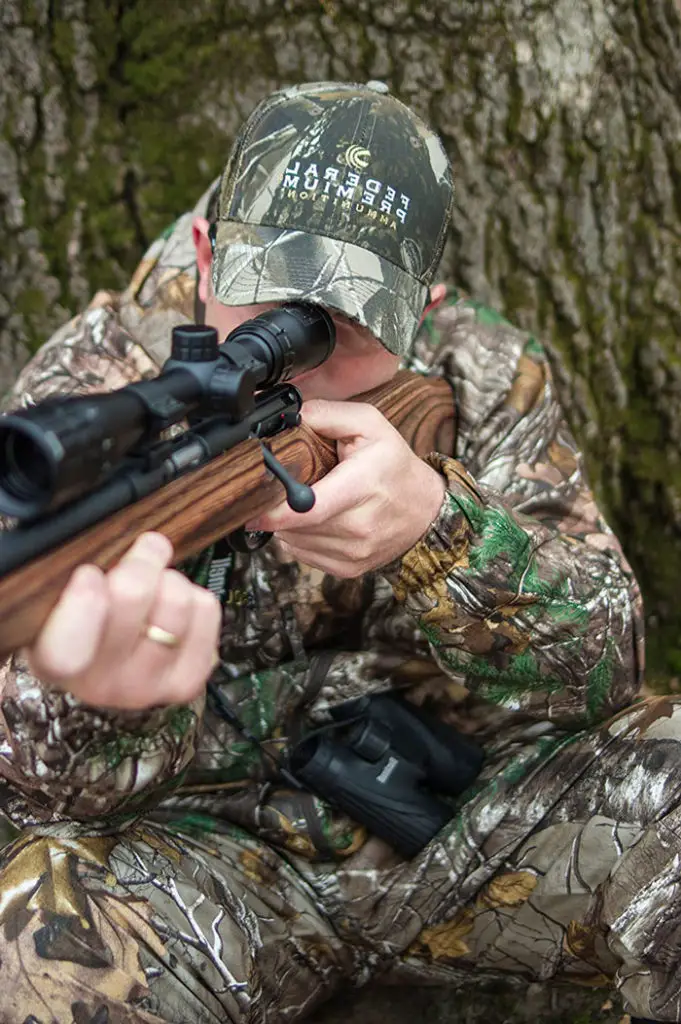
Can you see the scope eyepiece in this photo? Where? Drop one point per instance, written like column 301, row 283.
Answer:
column 285, row 341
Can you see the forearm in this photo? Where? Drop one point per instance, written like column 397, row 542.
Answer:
column 71, row 760
column 534, row 619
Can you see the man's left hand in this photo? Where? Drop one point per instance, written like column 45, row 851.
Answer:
column 372, row 507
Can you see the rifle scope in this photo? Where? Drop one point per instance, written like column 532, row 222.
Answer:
column 62, row 448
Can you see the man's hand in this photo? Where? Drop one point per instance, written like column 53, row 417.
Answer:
column 373, row 507
column 95, row 645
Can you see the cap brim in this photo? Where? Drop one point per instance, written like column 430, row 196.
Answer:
column 252, row 264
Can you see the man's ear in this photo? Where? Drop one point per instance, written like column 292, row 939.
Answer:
column 436, row 294
column 204, row 255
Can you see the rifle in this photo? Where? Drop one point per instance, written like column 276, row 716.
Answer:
column 85, row 476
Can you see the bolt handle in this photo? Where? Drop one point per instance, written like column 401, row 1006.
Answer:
column 299, row 496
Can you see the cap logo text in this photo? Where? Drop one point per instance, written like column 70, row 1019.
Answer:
column 369, row 196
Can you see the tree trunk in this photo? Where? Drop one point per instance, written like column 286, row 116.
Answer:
column 563, row 121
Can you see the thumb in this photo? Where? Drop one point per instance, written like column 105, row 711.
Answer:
column 341, row 421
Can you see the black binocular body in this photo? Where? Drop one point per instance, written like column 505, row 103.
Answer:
column 389, row 765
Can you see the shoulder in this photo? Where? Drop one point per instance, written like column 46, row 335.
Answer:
column 485, row 357
column 91, row 353
column 162, row 290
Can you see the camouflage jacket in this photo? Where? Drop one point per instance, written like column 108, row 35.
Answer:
column 516, row 616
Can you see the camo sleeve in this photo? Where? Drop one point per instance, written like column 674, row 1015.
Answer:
column 67, row 759
column 519, row 585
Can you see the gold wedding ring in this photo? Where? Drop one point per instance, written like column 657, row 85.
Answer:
column 162, row 636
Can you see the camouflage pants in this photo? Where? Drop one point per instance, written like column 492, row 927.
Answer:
column 164, row 924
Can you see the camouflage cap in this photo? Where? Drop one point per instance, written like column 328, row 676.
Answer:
column 340, row 195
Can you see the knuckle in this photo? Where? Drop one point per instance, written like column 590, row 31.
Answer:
column 129, row 586
column 362, row 559
column 207, row 603
column 47, row 668
column 102, row 690
column 187, row 689
column 345, row 571
column 174, row 578
column 373, row 416
column 54, row 662
column 175, row 593
column 362, row 532
column 364, row 408
column 362, row 546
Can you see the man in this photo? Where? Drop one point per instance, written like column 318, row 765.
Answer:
column 164, row 871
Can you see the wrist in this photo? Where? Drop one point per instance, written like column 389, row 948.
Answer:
column 426, row 497
column 432, row 495
column 446, row 539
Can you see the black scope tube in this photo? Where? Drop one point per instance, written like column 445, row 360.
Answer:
column 63, row 448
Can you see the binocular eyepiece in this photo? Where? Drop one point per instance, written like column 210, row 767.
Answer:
column 59, row 450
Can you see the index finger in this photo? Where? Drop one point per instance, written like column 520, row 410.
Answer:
column 340, row 421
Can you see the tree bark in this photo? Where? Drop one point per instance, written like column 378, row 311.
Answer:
column 563, row 121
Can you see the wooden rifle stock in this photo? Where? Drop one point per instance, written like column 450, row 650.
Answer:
column 215, row 499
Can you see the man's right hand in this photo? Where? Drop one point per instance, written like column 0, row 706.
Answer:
column 95, row 643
